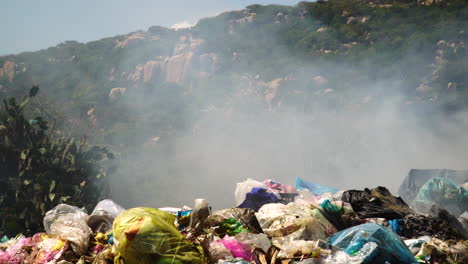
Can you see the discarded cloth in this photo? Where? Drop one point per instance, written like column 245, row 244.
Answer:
column 378, row 202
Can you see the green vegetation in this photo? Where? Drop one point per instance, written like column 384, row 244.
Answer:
column 39, row 171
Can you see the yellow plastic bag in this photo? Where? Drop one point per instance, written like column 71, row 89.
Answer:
column 148, row 236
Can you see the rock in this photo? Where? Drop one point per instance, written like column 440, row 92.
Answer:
column 8, row 71
column 116, row 93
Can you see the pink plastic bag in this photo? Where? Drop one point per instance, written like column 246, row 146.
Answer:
column 238, row 249
column 13, row 254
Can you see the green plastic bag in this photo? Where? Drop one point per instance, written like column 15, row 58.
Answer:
column 443, row 193
column 148, row 236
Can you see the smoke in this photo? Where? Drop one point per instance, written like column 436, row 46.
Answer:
column 210, row 133
column 374, row 144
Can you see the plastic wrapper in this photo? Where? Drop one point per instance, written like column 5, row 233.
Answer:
column 366, row 252
column 389, row 245
column 414, row 245
column 69, row 222
column 47, row 248
column 103, row 215
column 254, row 240
column 463, row 219
column 217, row 251
column 238, row 249
column 104, row 256
column 315, row 188
column 244, row 216
column 278, row 187
column 293, row 222
column 148, row 235
column 300, row 248
column 438, row 251
column 232, row 227
column 306, row 196
column 443, row 193
column 234, row 261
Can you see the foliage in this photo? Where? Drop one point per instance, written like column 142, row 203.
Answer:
column 38, row 171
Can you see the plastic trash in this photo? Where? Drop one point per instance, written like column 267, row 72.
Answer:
column 183, row 219
column 375, row 203
column 105, row 256
column 304, row 248
column 217, row 251
column 70, row 223
column 278, row 187
column 307, row 196
column 389, row 246
column 234, row 261
column 201, row 211
column 244, row 216
column 242, row 188
column 4, row 239
column 396, row 225
column 367, row 251
column 438, row 251
column 411, row 185
column 257, row 198
column 148, row 235
column 254, row 240
column 13, row 254
column 315, row 188
column 414, row 245
column 463, row 219
column 232, row 227
column 293, row 222
column 442, row 193
column 103, row 215
column 238, row 249
column 108, row 206
column 50, row 248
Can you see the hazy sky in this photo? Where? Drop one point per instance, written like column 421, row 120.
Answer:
column 37, row 24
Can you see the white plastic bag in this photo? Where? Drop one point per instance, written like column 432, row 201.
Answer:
column 103, row 215
column 70, row 223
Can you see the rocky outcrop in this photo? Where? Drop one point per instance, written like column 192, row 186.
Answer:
column 272, row 90
column 438, row 65
column 177, row 68
column 116, row 93
column 135, row 37
column 8, row 71
column 152, row 70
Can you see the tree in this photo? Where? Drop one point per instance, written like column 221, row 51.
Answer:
column 39, row 171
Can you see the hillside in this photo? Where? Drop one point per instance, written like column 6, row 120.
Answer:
column 315, row 59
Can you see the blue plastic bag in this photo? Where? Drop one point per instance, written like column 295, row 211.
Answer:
column 314, row 188
column 390, row 247
column 396, row 225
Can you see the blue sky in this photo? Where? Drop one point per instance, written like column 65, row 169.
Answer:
column 36, row 24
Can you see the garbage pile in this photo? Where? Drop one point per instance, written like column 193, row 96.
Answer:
column 272, row 223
